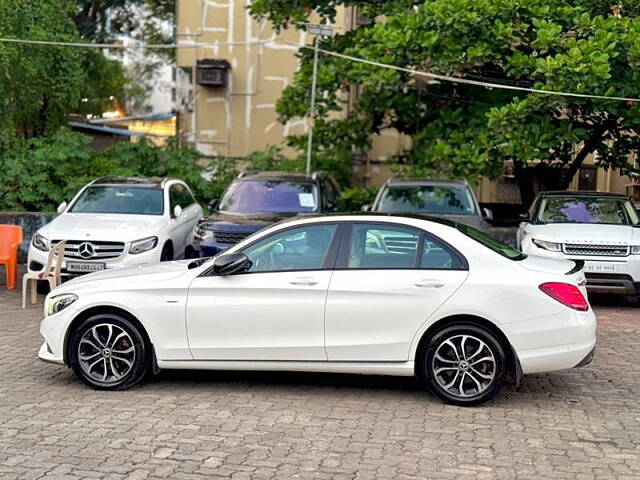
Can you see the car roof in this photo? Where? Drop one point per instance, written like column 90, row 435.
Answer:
column 282, row 176
column 151, row 182
column 372, row 216
column 586, row 193
column 435, row 183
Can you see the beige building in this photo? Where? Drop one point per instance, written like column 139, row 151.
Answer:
column 232, row 71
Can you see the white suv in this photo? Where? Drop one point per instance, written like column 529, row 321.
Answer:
column 116, row 222
column 602, row 229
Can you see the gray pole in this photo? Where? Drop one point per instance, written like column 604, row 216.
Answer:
column 312, row 114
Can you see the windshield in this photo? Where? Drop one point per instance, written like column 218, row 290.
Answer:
column 491, row 243
column 123, row 200
column 587, row 209
column 270, row 196
column 433, row 199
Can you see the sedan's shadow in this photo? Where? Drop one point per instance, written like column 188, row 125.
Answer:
column 257, row 379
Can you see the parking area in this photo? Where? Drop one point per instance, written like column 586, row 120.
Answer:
column 579, row 424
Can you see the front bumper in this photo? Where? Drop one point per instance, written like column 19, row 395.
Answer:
column 616, row 275
column 47, row 356
column 37, row 259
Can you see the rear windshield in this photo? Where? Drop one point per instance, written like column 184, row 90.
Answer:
column 587, row 209
column 491, row 243
column 430, row 199
column 270, row 196
column 120, row 200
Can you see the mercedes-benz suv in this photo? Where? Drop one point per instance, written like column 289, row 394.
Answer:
column 119, row 222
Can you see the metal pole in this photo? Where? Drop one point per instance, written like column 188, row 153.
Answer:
column 312, row 114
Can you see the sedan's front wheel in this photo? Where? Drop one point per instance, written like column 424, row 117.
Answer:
column 464, row 364
column 108, row 352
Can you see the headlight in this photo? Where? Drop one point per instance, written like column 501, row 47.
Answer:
column 58, row 303
column 143, row 245
column 635, row 249
column 550, row 246
column 40, row 242
column 202, row 234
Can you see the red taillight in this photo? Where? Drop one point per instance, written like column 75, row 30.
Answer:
column 566, row 294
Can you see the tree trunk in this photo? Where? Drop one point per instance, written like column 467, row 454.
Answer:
column 524, row 177
column 587, row 147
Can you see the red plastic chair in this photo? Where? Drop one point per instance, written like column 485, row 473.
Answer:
column 10, row 240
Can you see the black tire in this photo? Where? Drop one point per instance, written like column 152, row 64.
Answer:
column 167, row 253
column 453, row 376
column 110, row 370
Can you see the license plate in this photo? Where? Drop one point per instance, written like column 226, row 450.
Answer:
column 600, row 267
column 77, row 267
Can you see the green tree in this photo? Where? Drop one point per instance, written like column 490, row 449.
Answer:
column 37, row 84
column 465, row 131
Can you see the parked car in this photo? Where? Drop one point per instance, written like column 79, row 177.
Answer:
column 118, row 222
column 450, row 199
column 601, row 229
column 256, row 200
column 365, row 294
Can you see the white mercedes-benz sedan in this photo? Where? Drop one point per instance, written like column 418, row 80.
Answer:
column 367, row 294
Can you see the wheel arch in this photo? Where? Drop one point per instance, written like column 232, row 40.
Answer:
column 169, row 243
column 110, row 309
column 513, row 363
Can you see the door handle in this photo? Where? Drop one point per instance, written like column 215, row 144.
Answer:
column 303, row 281
column 429, row 284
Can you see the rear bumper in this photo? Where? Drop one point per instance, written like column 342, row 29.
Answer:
column 557, row 342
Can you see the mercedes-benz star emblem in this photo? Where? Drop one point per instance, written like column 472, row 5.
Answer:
column 85, row 250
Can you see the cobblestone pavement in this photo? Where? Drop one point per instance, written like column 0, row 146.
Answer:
column 579, row 424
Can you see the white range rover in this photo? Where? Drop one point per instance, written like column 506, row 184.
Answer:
column 119, row 222
column 602, row 229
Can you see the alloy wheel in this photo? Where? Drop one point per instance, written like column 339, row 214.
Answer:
column 464, row 366
column 106, row 353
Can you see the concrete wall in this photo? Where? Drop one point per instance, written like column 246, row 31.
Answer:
column 30, row 223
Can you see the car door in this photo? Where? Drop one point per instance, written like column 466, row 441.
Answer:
column 389, row 279
column 273, row 311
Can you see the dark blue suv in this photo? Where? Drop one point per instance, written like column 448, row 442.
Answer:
column 255, row 200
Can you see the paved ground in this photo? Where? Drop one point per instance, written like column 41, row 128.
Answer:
column 579, row 424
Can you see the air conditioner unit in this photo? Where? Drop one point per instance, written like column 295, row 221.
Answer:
column 212, row 73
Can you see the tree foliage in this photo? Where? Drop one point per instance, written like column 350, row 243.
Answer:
column 464, row 131
column 41, row 85
column 37, row 174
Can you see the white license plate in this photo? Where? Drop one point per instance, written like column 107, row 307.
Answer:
column 600, row 267
column 77, row 267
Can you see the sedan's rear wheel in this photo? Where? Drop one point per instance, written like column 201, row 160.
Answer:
column 108, row 352
column 464, row 364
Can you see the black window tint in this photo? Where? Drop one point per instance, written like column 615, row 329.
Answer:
column 382, row 246
column 174, row 197
column 436, row 255
column 491, row 243
column 304, row 248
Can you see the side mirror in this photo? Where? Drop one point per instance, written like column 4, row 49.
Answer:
column 213, row 205
column 230, row 263
column 524, row 217
column 366, row 208
column 62, row 207
column 177, row 211
column 488, row 214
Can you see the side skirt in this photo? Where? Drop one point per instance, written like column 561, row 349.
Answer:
column 404, row 369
